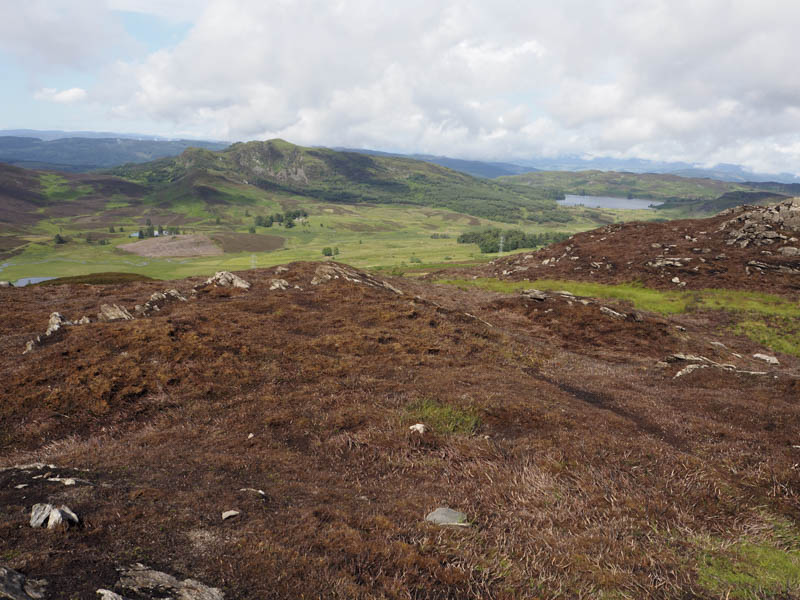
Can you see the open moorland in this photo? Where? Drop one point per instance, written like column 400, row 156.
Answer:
column 628, row 439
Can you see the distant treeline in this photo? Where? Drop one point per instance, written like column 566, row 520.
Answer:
column 489, row 239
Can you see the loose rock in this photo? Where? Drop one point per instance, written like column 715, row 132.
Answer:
column 15, row 586
column 278, row 284
column 767, row 359
column 419, row 428
column 229, row 514
column 447, row 516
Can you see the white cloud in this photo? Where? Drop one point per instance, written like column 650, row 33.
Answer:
column 63, row 97
column 52, row 34
column 686, row 80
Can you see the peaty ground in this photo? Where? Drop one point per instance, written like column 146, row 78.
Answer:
column 586, row 468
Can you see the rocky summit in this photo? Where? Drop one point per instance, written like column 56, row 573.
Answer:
column 746, row 247
column 315, row 430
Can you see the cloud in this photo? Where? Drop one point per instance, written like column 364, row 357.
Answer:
column 679, row 80
column 52, row 34
column 63, row 97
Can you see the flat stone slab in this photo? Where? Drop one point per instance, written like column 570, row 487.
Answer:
column 447, row 516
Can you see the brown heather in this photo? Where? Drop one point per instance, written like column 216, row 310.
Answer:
column 591, row 471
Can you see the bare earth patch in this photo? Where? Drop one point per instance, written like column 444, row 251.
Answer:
column 248, row 242
column 174, row 246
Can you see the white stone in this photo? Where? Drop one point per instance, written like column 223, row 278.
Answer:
column 278, row 284
column 229, row 514
column 767, row 359
column 109, row 595
column 419, row 428
column 39, row 514
column 447, row 516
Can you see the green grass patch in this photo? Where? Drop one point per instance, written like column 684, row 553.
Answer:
column 643, row 298
column 750, row 571
column 778, row 334
column 444, row 418
column 56, row 187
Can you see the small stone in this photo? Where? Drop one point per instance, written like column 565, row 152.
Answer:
column 278, row 284
column 447, row 516
column 64, row 480
column 675, row 280
column 39, row 514
column 59, row 515
column 250, row 436
column 419, row 428
column 767, row 359
column 612, row 313
column 109, row 595
column 534, row 294
column 21, row 486
column 229, row 514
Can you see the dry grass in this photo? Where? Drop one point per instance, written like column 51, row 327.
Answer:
column 585, row 470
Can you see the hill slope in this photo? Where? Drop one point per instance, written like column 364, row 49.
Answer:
column 343, row 177
column 746, row 247
column 585, row 466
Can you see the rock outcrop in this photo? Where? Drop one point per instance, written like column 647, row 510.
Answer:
column 224, row 279
column 144, row 582
column 15, row 586
column 113, row 312
column 328, row 271
column 762, row 225
column 157, row 301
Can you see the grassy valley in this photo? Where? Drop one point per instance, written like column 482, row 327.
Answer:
column 376, row 211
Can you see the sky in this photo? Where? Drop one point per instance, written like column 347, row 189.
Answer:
column 701, row 81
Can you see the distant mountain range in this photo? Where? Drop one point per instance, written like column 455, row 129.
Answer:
column 82, row 154
column 84, row 151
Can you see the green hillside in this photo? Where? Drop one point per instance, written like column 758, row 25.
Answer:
column 653, row 186
column 327, row 175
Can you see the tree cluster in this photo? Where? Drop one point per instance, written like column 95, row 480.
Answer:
column 489, row 239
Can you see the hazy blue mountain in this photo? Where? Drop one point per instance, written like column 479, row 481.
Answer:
column 476, row 168
column 81, row 154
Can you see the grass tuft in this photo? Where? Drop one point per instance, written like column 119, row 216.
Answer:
column 443, row 418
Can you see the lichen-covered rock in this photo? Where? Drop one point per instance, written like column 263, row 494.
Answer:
column 157, row 301
column 226, row 279
column 113, row 312
column 142, row 580
column 329, row 271
column 278, row 284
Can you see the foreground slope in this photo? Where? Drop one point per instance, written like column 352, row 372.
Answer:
column 588, row 459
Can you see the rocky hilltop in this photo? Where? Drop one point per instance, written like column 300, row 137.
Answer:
column 314, row 430
column 747, row 247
